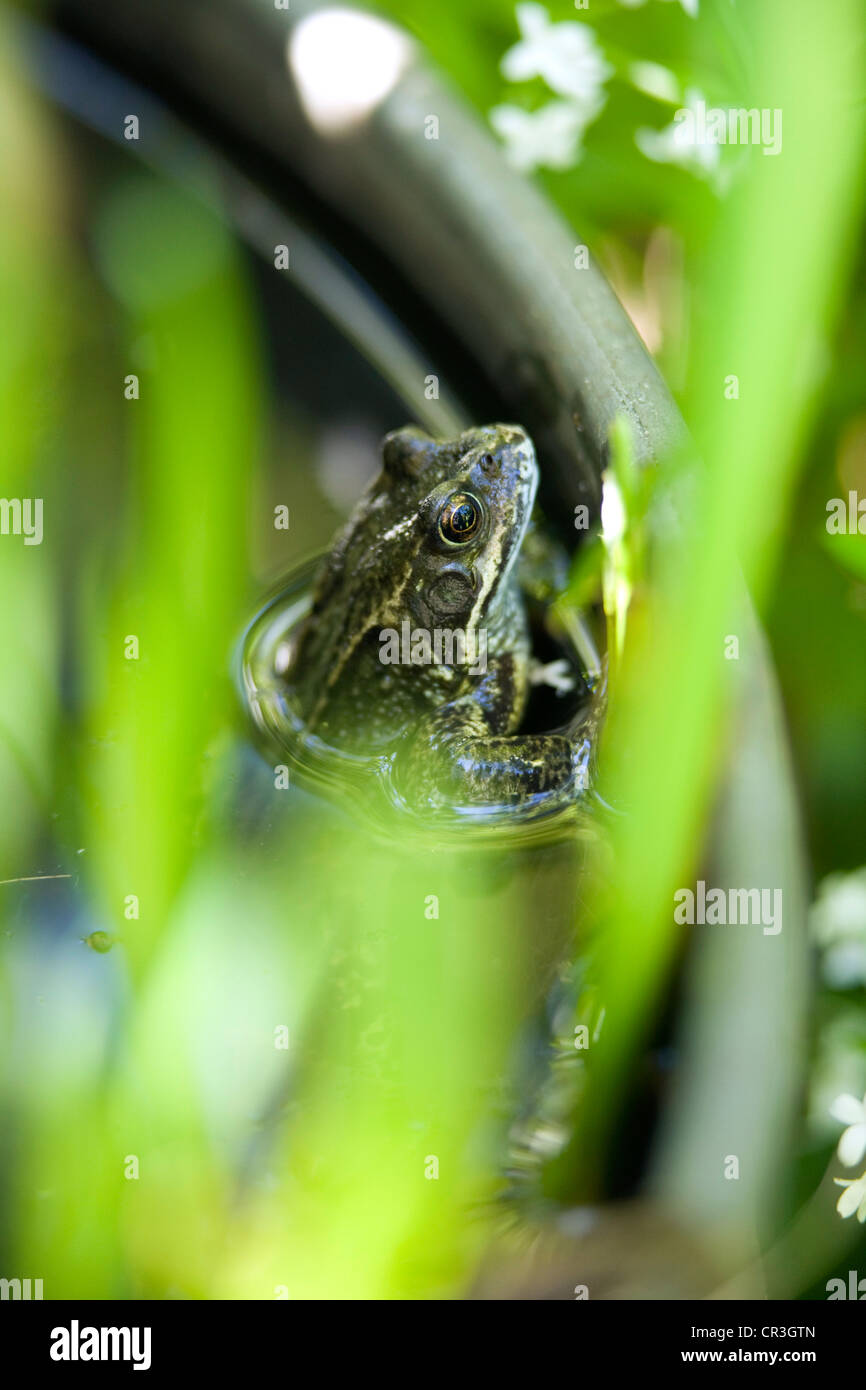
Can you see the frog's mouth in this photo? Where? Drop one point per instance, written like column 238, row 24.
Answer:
column 368, row 784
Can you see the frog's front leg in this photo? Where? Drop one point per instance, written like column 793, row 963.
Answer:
column 458, row 757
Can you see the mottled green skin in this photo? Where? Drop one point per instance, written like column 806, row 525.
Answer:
column 391, row 563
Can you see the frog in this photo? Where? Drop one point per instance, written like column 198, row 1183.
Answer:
column 431, row 553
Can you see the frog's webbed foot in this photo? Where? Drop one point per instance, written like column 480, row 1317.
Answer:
column 456, row 759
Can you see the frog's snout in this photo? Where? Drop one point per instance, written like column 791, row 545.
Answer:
column 516, row 436
column 519, row 452
column 522, row 464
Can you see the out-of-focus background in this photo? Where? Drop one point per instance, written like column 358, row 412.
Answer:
column 246, row 1050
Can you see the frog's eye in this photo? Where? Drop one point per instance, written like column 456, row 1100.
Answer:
column 460, row 518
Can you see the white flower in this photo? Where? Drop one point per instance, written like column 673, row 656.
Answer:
column 549, row 137
column 677, row 142
column 844, row 965
column 838, row 923
column 840, row 908
column 565, row 55
column 556, row 674
column 853, row 1198
column 690, row 6
column 851, row 1112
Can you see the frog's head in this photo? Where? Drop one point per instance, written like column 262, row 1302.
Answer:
column 474, row 497
column 432, row 540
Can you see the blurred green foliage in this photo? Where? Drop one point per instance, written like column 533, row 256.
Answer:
column 159, row 1140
